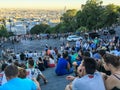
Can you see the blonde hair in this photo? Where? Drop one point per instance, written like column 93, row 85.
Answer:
column 22, row 73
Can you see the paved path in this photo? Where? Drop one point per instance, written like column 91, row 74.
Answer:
column 33, row 45
column 54, row 82
column 39, row 45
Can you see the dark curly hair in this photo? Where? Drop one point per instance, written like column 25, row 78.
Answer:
column 90, row 65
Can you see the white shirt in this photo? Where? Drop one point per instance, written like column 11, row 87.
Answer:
column 2, row 78
column 115, row 52
column 33, row 73
column 18, row 56
column 87, row 83
column 51, row 61
column 86, row 45
column 52, row 52
column 35, row 54
column 30, row 55
column 77, row 43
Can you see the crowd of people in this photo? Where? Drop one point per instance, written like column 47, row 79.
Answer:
column 94, row 62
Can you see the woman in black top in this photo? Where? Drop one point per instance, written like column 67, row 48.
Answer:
column 112, row 63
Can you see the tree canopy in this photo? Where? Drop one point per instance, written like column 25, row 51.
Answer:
column 37, row 29
column 92, row 16
column 68, row 20
column 3, row 31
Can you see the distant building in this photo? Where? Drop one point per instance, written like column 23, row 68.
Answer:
column 19, row 30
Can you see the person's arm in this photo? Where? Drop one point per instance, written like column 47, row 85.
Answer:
column 70, row 77
column 68, row 66
column 37, row 62
column 68, row 87
column 37, row 83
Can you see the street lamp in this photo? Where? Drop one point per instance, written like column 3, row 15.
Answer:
column 10, row 24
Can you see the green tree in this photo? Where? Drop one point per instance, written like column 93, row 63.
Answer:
column 3, row 21
column 118, row 19
column 68, row 20
column 89, row 16
column 11, row 34
column 82, row 29
column 3, row 31
column 110, row 14
column 39, row 29
column 48, row 30
column 60, row 28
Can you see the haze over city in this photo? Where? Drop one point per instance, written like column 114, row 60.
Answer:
column 48, row 4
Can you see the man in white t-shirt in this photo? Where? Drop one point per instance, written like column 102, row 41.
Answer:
column 34, row 73
column 30, row 54
column 90, row 78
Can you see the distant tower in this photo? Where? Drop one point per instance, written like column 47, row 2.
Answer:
column 65, row 8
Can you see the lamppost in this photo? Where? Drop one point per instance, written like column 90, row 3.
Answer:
column 10, row 24
column 27, row 28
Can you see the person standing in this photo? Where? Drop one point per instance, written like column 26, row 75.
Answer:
column 77, row 45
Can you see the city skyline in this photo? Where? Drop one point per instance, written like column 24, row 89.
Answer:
column 49, row 4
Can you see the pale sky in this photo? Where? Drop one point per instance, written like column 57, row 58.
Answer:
column 48, row 4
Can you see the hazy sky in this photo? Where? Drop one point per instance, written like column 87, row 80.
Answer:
column 48, row 4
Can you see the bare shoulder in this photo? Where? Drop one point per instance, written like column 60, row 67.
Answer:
column 116, row 79
column 112, row 82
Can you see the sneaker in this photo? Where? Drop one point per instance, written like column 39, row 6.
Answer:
column 45, row 81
